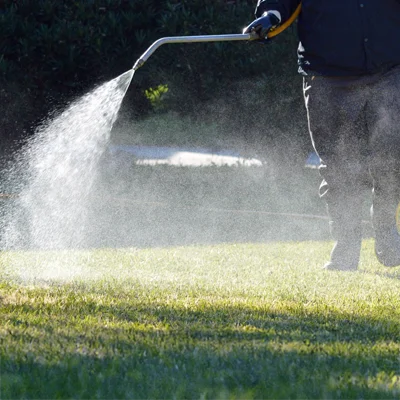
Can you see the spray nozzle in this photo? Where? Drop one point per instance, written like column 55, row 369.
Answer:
column 138, row 64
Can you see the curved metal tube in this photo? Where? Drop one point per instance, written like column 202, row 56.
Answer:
column 189, row 39
column 211, row 38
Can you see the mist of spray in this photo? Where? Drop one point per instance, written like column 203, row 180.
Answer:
column 58, row 170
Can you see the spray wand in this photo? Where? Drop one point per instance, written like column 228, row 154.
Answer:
column 212, row 38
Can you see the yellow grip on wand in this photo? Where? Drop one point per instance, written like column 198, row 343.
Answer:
column 286, row 25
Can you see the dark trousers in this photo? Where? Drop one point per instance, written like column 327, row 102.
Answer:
column 354, row 123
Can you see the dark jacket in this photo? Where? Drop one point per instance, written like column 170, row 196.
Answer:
column 343, row 37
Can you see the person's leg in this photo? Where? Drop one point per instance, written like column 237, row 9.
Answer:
column 336, row 125
column 384, row 127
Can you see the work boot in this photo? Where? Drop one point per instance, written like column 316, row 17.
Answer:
column 387, row 238
column 345, row 254
column 387, row 247
column 344, row 197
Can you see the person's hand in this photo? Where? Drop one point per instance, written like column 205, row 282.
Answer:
column 262, row 26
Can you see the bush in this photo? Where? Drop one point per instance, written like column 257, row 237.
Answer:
column 61, row 49
column 67, row 44
column 48, row 44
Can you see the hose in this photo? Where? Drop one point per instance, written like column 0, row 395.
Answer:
column 286, row 25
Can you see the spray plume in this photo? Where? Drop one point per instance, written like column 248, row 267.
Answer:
column 57, row 169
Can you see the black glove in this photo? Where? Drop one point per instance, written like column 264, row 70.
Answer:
column 262, row 26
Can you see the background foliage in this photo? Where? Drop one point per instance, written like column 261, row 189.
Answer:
column 51, row 52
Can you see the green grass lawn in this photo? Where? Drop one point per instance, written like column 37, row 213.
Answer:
column 227, row 321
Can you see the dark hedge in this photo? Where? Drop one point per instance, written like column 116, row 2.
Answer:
column 51, row 51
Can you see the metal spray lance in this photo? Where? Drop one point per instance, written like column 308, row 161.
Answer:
column 212, row 38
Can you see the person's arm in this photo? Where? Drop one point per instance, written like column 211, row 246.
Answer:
column 282, row 9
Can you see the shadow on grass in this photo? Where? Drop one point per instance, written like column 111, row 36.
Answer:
column 136, row 350
column 390, row 275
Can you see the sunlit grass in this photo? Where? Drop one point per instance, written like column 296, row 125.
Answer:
column 222, row 321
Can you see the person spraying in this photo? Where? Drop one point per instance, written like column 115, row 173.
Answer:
column 349, row 56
